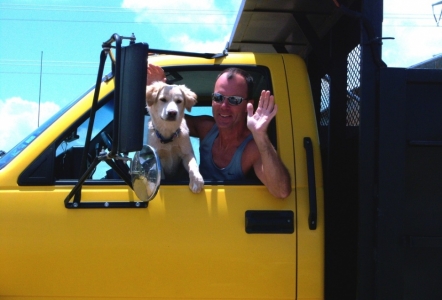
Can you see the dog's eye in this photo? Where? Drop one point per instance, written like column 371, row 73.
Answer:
column 178, row 101
column 163, row 100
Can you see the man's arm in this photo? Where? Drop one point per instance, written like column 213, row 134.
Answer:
column 155, row 73
column 199, row 126
column 269, row 168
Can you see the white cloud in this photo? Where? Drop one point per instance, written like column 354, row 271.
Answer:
column 20, row 117
column 172, row 16
column 186, row 43
column 167, row 10
column 416, row 35
column 411, row 46
column 197, row 26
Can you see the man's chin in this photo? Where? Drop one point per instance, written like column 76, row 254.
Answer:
column 223, row 122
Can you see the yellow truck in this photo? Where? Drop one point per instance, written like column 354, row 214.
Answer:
column 84, row 213
column 74, row 222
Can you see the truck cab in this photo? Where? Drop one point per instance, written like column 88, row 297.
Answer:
column 232, row 240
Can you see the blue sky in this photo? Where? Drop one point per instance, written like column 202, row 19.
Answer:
column 66, row 36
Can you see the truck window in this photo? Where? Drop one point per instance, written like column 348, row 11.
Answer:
column 201, row 80
column 7, row 157
column 69, row 147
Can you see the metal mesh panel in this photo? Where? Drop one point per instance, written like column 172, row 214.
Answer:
column 325, row 101
column 353, row 82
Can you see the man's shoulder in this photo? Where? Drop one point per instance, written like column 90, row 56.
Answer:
column 251, row 151
column 200, row 125
column 205, row 119
column 200, row 119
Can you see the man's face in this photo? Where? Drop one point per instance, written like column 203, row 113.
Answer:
column 225, row 114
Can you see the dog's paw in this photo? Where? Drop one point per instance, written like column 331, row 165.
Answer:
column 196, row 183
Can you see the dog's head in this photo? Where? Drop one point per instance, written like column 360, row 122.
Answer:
column 169, row 101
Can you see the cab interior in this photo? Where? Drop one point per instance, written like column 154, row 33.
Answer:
column 200, row 79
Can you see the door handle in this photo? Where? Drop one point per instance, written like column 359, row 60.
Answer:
column 313, row 214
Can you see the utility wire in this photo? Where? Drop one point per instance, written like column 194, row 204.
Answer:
column 72, row 8
column 39, row 90
column 115, row 22
column 51, row 63
column 47, row 73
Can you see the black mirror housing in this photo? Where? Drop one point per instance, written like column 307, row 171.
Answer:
column 130, row 111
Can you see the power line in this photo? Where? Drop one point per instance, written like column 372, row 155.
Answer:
column 47, row 73
column 416, row 20
column 73, row 8
column 114, row 22
column 49, row 63
column 39, row 90
column 408, row 15
column 62, row 8
column 409, row 25
column 69, row 8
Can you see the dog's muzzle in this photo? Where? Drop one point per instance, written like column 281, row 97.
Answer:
column 171, row 116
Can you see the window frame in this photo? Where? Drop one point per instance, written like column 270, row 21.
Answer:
column 265, row 83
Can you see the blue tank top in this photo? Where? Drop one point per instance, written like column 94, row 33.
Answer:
column 209, row 170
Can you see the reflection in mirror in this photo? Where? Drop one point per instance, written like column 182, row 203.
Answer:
column 146, row 173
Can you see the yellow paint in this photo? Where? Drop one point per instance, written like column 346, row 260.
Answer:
column 184, row 245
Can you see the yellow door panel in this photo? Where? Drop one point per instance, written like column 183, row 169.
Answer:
column 182, row 246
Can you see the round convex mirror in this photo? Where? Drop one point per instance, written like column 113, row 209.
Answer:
column 146, row 173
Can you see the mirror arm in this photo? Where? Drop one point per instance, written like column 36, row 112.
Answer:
column 120, row 172
column 77, row 189
column 115, row 146
column 103, row 56
column 117, row 39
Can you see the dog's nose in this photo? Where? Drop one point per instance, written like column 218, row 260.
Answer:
column 172, row 113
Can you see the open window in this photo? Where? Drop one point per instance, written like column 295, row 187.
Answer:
column 68, row 148
column 201, row 80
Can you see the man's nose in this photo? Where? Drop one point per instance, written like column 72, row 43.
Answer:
column 225, row 102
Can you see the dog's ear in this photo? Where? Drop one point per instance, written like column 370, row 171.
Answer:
column 189, row 96
column 152, row 92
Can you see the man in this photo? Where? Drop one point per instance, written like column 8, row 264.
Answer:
column 236, row 133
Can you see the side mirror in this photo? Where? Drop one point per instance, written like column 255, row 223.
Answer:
column 130, row 71
column 146, row 173
column 130, row 89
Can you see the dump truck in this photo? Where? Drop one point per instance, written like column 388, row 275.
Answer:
column 84, row 212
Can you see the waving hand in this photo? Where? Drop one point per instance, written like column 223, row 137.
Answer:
column 259, row 121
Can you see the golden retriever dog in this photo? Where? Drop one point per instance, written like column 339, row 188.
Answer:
column 168, row 133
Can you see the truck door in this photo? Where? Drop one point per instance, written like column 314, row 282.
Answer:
column 229, row 241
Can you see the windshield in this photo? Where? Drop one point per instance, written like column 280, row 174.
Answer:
column 10, row 155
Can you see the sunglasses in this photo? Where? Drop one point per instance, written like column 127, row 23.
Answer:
column 233, row 100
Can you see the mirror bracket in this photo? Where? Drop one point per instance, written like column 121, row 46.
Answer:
column 145, row 172
column 129, row 69
column 105, row 204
